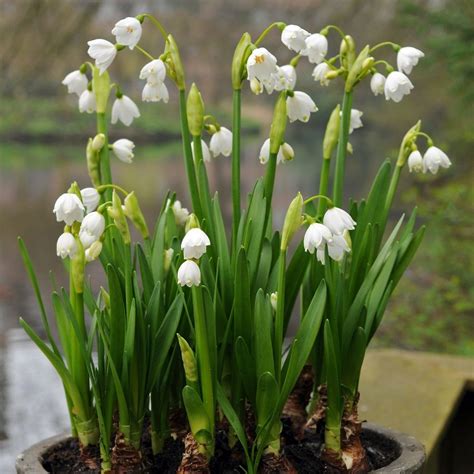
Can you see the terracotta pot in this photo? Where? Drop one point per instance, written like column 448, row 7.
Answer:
column 410, row 461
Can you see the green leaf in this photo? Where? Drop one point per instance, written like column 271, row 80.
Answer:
column 267, row 396
column 247, row 368
column 334, row 409
column 197, row 416
column 353, row 364
column 263, row 335
column 146, row 274
column 242, row 305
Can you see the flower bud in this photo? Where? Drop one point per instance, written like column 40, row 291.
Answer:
column 77, row 268
column 274, row 300
column 277, row 130
column 116, row 213
column 189, row 361
column 192, row 222
column 105, row 297
column 330, row 75
column 293, row 221
column 181, row 214
column 93, row 163
column 93, row 252
column 331, row 135
column 256, row 86
column 98, row 142
column 173, row 61
column 134, row 213
column 195, row 111
column 90, row 198
column 167, row 259
column 356, row 69
column 347, row 51
column 239, row 61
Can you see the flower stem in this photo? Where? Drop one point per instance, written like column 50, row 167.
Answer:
column 112, row 186
column 392, row 188
column 236, row 116
column 105, row 171
column 266, row 31
column 144, row 52
column 280, row 314
column 395, row 46
column 323, row 186
column 342, row 149
column 157, row 24
column 270, row 179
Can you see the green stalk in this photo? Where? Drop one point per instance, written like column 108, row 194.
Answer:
column 270, row 180
column 342, row 149
column 323, row 186
column 203, row 182
column 188, row 155
column 280, row 315
column 236, row 126
column 105, row 171
column 392, row 188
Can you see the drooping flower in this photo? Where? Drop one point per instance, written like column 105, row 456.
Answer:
column 189, row 274
column 407, row 58
column 221, row 142
column 153, row 72
column 181, row 214
column 66, row 245
column 337, row 220
column 125, row 110
column 300, row 106
column 128, row 32
column 206, row 154
column 92, row 228
column 93, row 252
column 293, row 37
column 154, row 92
column 194, row 243
column 103, row 52
column 123, row 149
column 90, row 198
column 87, row 102
column 396, row 86
column 336, row 248
column 316, row 48
column 435, row 158
column 285, row 153
column 356, row 121
column 316, row 237
column 415, row 162
column 76, row 82
column 261, row 64
column 69, row 209
column 377, row 83
column 284, row 78
column 319, row 74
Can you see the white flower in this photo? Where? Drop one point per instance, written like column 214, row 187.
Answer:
column 396, row 86
column 123, row 150
column 66, row 245
column 284, row 78
column 221, row 142
column 274, row 300
column 261, row 64
column 206, row 154
column 316, row 48
column 93, row 252
column 87, row 102
column 154, row 92
column 181, row 214
column 377, row 83
column 336, row 248
column 189, row 274
column 154, row 72
column 300, row 106
column 415, row 162
column 434, row 158
column 293, row 37
column 128, row 32
column 337, row 221
column 76, row 82
column 316, row 237
column 194, row 243
column 356, row 121
column 92, row 228
column 103, row 52
column 90, row 198
column 285, row 153
column 256, row 86
column 319, row 74
column 408, row 57
column 68, row 208
column 125, row 110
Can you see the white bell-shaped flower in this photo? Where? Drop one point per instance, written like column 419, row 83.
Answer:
column 66, row 246
column 76, row 82
column 377, row 83
column 316, row 237
column 261, row 64
column 300, row 106
column 189, row 274
column 319, row 74
column 125, row 110
column 90, row 198
column 69, row 209
column 396, row 86
column 194, row 243
column 153, row 72
column 338, row 246
column 407, row 58
column 128, row 32
column 285, row 153
column 355, row 121
column 338, row 221
column 316, row 48
column 415, row 162
column 221, row 142
column 92, row 228
column 103, row 52
column 206, row 154
column 285, row 78
column 181, row 214
column 433, row 159
column 87, row 102
column 93, row 252
column 154, row 92
column 123, row 150
column 293, row 37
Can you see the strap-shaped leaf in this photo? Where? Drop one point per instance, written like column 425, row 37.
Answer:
column 247, row 369
column 267, row 397
column 263, row 335
column 352, row 365
column 197, row 415
column 242, row 305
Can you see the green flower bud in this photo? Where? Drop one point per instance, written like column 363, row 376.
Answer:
column 277, row 130
column 116, row 213
column 93, row 252
column 195, row 111
column 407, row 144
column 333, row 74
column 105, row 297
column 189, row 361
column 133, row 212
column 75, row 189
column 174, row 63
column 356, row 69
column 93, row 163
column 98, row 142
column 347, row 51
column 239, row 61
column 167, row 259
column 293, row 221
column 332, row 133
column 78, row 263
column 192, row 223
column 101, row 88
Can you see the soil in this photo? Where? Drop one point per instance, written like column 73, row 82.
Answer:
column 64, row 457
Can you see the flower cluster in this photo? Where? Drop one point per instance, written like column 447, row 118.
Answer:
column 431, row 161
column 193, row 245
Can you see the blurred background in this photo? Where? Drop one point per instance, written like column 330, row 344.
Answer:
column 43, row 136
